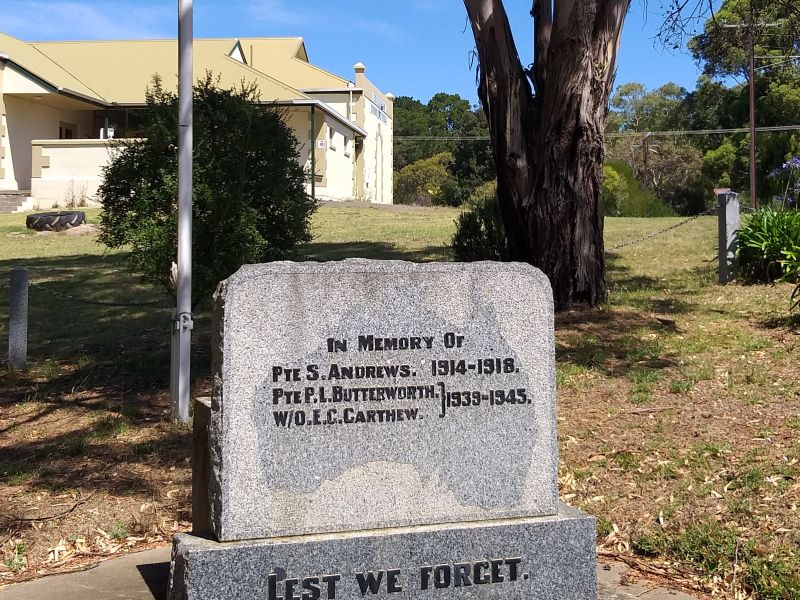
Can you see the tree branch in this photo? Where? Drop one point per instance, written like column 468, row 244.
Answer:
column 542, row 13
column 616, row 17
column 504, row 87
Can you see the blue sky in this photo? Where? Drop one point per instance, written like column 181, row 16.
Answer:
column 412, row 47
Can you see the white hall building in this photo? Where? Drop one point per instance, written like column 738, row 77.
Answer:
column 61, row 101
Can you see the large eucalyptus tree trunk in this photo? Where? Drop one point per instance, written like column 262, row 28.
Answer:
column 547, row 134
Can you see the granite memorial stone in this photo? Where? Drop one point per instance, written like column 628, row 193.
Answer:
column 383, row 428
column 361, row 395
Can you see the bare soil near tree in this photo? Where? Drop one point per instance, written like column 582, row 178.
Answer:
column 679, row 406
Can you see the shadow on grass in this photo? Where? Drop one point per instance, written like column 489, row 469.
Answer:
column 85, row 360
column 90, row 459
column 647, row 294
column 789, row 322
column 326, row 251
column 73, row 341
column 612, row 342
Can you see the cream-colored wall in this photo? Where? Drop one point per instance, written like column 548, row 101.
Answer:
column 299, row 121
column 6, row 174
column 28, row 120
column 335, row 164
column 7, row 181
column 340, row 163
column 377, row 159
column 70, row 169
column 16, row 83
column 378, row 156
column 339, row 101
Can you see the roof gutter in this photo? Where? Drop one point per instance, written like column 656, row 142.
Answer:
column 322, row 106
column 341, row 90
column 84, row 98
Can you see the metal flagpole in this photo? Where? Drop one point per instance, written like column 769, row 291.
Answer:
column 183, row 315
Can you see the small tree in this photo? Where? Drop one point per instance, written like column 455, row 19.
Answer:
column 615, row 191
column 250, row 203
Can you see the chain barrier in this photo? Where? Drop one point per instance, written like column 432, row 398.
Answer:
column 64, row 296
column 650, row 236
column 634, row 242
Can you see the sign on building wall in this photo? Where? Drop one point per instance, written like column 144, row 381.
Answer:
column 378, row 113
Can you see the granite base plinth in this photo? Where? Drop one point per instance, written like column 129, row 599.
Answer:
column 542, row 558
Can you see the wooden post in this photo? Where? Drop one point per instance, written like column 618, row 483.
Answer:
column 18, row 320
column 728, row 235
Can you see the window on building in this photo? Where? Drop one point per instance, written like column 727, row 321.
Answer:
column 66, row 131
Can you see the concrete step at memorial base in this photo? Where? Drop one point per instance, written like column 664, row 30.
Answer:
column 12, row 200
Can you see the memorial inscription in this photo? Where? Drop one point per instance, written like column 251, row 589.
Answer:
column 280, row 586
column 448, row 395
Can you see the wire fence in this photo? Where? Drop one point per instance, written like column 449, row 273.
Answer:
column 79, row 299
column 660, row 232
column 162, row 304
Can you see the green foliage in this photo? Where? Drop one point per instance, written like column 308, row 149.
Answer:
column 615, row 191
column 119, row 530
column 426, row 182
column 718, row 164
column 480, row 234
column 769, row 246
column 637, row 203
column 716, row 47
column 777, row 86
column 445, row 116
column 669, row 169
column 677, row 179
column 250, row 203
column 17, row 558
column 633, row 108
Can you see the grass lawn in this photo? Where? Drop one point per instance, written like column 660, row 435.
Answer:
column 679, row 409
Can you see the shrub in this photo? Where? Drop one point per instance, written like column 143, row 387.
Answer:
column 718, row 164
column 785, row 182
column 425, row 182
column 250, row 203
column 676, row 175
column 615, row 191
column 480, row 234
column 769, row 246
column 637, row 203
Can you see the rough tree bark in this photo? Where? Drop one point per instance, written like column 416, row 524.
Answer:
column 547, row 134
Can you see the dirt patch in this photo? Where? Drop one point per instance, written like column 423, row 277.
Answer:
column 79, row 231
column 88, row 477
column 85, row 229
column 681, row 436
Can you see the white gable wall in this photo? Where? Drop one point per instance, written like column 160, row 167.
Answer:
column 378, row 155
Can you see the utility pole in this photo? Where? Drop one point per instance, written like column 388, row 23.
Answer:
column 183, row 323
column 646, row 156
column 752, row 78
column 751, row 26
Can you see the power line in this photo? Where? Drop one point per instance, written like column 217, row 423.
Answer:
column 708, row 131
column 675, row 132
